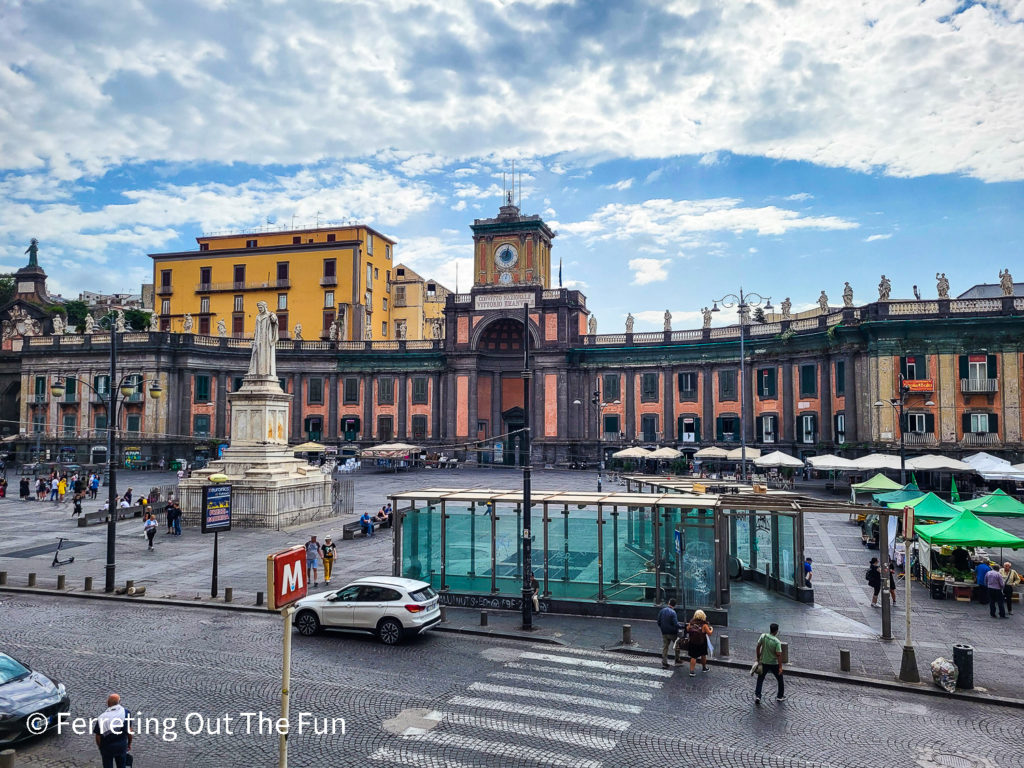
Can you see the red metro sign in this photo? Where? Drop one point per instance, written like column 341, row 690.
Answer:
column 286, row 577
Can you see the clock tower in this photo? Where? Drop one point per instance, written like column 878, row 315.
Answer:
column 511, row 249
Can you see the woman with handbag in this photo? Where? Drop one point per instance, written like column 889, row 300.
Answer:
column 698, row 641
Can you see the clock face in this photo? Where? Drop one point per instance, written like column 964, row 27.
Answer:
column 505, row 278
column 506, row 257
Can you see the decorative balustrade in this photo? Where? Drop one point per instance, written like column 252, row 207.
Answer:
column 1018, row 304
column 960, row 306
column 463, row 298
column 725, row 333
column 764, row 329
column 835, row 319
column 913, row 307
column 648, row 337
column 980, row 439
column 555, row 293
column 420, row 344
column 919, row 439
column 692, row 335
column 979, row 386
column 804, row 325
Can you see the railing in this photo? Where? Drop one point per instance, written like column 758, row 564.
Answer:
column 424, row 344
column 834, row 319
column 384, row 345
column 329, row 280
column 725, row 333
column 239, row 343
column 979, row 386
column 40, row 341
column 555, row 293
column 242, row 286
column 351, row 345
column 693, row 335
column 39, row 398
column 764, row 329
column 913, row 307
column 804, row 325
column 980, row 439
column 463, row 298
column 607, row 338
column 164, row 290
column 70, row 398
column 68, row 340
column 648, row 336
column 975, row 305
column 208, row 341
column 1018, row 304
column 917, row 439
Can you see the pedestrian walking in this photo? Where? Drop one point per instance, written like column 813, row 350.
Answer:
column 128, row 496
column 169, row 519
column 874, row 579
column 23, row 489
column 698, row 641
column 113, row 733
column 312, row 560
column 995, row 583
column 769, row 659
column 94, row 485
column 535, row 592
column 54, row 489
column 668, row 623
column 41, row 488
column 78, row 505
column 808, row 571
column 161, row 464
column 1010, row 580
column 149, row 528
column 330, row 551
column 62, row 489
column 176, row 511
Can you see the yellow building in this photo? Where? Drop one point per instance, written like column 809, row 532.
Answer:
column 418, row 305
column 311, row 278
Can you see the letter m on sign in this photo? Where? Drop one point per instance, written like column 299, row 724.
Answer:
column 286, row 577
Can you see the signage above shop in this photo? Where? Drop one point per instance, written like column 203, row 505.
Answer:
column 505, row 300
column 919, row 385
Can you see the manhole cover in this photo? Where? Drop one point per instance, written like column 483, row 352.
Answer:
column 930, row 759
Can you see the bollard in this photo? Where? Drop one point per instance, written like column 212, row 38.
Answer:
column 483, row 618
column 3, row 577
column 129, row 584
column 627, row 634
column 88, row 583
column 444, row 614
column 7, row 758
column 259, row 598
column 229, row 593
column 844, row 659
column 61, row 581
column 784, row 656
column 31, row 579
column 723, row 645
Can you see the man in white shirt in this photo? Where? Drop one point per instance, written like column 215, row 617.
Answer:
column 113, row 733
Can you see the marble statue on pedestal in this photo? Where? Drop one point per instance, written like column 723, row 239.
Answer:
column 592, row 325
column 188, row 323
column 884, row 288
column 668, row 321
column 222, row 328
column 942, row 285
column 1006, row 282
column 707, row 317
column 823, row 303
column 90, row 323
column 629, row 323
column 847, row 295
column 786, row 306
column 264, row 343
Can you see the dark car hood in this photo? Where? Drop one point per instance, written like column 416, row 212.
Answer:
column 26, row 694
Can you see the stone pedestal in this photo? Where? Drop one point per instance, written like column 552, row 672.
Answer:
column 270, row 487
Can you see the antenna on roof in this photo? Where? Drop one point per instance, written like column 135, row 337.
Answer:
column 456, row 277
column 520, row 189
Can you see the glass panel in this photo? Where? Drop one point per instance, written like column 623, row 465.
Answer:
column 421, row 545
column 739, row 539
column 467, row 549
column 787, row 549
column 762, row 555
column 508, row 549
column 699, row 559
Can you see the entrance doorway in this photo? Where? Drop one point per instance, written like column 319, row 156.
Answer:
column 514, row 454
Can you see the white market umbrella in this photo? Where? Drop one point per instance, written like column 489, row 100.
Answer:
column 828, row 462
column 736, row 454
column 711, row 452
column 877, row 461
column 390, row 451
column 665, row 453
column 934, row 463
column 632, row 453
column 993, row 468
column 778, row 459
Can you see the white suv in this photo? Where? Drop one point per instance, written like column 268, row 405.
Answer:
column 388, row 606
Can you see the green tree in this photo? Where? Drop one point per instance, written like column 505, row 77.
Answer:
column 758, row 316
column 137, row 319
column 6, row 289
column 76, row 311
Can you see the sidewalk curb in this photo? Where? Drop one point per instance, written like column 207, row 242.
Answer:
column 924, row 689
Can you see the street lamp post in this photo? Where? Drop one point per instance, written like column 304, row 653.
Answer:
column 908, row 665
column 743, row 302
column 527, row 517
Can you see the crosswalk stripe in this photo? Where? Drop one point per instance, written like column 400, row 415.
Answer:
column 576, row 718
column 418, row 759
column 565, row 698
column 544, row 756
column 533, row 731
column 595, row 664
column 598, row 689
column 588, row 674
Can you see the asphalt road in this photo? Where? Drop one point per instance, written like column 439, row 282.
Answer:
column 454, row 701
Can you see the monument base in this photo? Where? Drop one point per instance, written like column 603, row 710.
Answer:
column 270, row 488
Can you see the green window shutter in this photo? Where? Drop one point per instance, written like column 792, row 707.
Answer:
column 965, row 423
column 773, row 382
column 696, row 429
column 719, row 431
column 759, row 429
column 929, row 422
column 992, row 364
column 964, row 369
column 841, row 377
column 814, row 425
column 903, row 367
column 993, row 423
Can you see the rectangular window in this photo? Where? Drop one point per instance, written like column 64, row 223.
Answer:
column 689, row 429
column 376, row 274
column 313, row 427
column 369, row 277
column 315, row 391
column 202, row 388
column 239, row 272
column 649, row 427
column 282, row 301
column 165, row 306
column 387, row 251
column 201, row 425
column 70, row 389
column 386, row 391
column 282, row 270
column 840, row 419
column 369, row 244
column 41, row 389
column 100, row 422
column 70, row 424
column 331, row 238
column 808, row 428
column 385, row 307
column 419, row 390
column 979, row 422
column 399, row 295
column 330, row 267
column 101, row 385
column 282, row 324
column 767, row 383
column 977, row 369
column 687, row 382
column 649, row 388
column 768, row 428
column 610, row 388
column 384, row 330
column 840, row 377
column 728, row 429
column 385, row 428
column 205, row 275
column 328, row 299
column 611, row 424
column 204, row 246
column 296, row 239
column 239, row 304
column 250, row 243
column 419, row 427
column 916, row 423
column 133, row 423
column 727, row 389
column 38, row 423
column 913, row 367
column 808, row 380
column 237, row 325
column 165, row 278
column 350, row 394
column 204, row 305
column 204, row 325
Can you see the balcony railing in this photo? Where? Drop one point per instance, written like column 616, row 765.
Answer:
column 39, row 398
column 980, row 439
column 979, row 386
column 266, row 285
column 164, row 290
column 916, row 439
column 329, row 280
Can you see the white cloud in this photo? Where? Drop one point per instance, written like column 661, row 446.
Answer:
column 447, row 260
column 710, row 159
column 800, row 196
column 648, row 271
column 620, row 186
column 654, row 320
column 873, row 238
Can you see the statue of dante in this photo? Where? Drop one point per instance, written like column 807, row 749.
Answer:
column 264, row 343
column 33, row 253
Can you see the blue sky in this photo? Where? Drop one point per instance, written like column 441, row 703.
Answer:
column 681, row 148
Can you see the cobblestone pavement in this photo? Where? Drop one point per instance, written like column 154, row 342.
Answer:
column 450, row 702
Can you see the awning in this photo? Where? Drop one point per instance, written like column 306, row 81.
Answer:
column 736, row 454
column 909, row 492
column 308, row 448
column 778, row 459
column 711, row 452
column 390, row 451
column 636, row 452
column 993, row 468
column 996, row 504
column 877, row 461
column 877, row 483
column 828, row 462
column 934, row 463
column 930, row 507
column 967, row 530
column 665, row 453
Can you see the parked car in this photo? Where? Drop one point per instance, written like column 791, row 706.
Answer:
column 388, row 606
column 23, row 693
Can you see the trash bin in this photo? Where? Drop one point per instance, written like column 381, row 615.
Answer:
column 963, row 657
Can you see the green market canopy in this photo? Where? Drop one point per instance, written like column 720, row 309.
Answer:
column 967, row 530
column 931, row 507
column 908, row 492
column 996, row 504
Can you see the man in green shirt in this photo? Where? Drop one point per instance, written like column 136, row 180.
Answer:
column 769, row 654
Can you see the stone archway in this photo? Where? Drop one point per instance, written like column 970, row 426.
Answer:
column 503, row 335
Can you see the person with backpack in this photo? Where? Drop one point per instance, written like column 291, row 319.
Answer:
column 769, row 659
column 668, row 623
column 873, row 577
column 698, row 638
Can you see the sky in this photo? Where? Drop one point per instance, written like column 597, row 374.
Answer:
column 681, row 149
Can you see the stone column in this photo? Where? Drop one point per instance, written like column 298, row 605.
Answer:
column 788, row 423
column 630, row 410
column 497, row 427
column 825, row 431
column 402, row 396
column 220, row 419
column 333, row 418
column 369, row 427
